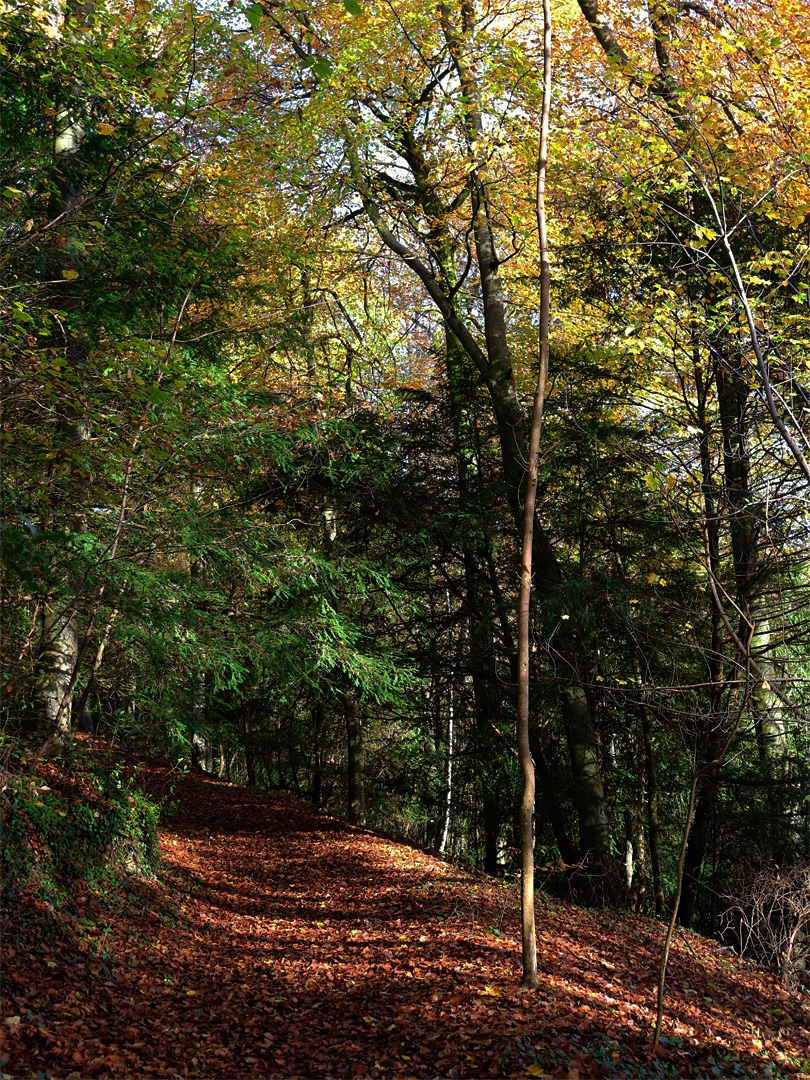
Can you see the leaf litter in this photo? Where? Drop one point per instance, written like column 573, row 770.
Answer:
column 280, row 942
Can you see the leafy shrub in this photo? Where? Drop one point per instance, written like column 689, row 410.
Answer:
column 94, row 830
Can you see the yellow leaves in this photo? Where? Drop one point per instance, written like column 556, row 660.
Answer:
column 70, row 275
column 105, row 129
column 489, row 991
column 664, row 294
column 766, row 685
column 653, row 481
column 536, row 1070
column 704, row 233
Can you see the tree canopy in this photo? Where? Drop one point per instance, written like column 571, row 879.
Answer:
column 271, row 293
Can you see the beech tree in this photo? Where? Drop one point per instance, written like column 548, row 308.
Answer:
column 446, row 233
column 271, row 303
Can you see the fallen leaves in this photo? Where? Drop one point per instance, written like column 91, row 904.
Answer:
column 282, row 943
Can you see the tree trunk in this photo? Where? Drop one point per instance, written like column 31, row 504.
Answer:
column 495, row 369
column 58, row 651
column 250, row 766
column 317, row 763
column 773, row 744
column 551, row 802
column 629, row 851
column 59, row 646
column 589, row 792
column 708, row 784
column 589, row 795
column 451, row 717
column 356, row 788
column 651, row 783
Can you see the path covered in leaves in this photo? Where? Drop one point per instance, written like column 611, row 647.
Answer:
column 281, row 943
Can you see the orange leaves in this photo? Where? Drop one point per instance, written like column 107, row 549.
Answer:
column 279, row 942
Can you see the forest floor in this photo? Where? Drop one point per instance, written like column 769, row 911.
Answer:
column 277, row 942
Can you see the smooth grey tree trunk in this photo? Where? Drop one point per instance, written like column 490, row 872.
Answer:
column 58, row 650
column 59, row 647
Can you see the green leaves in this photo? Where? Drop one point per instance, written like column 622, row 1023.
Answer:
column 353, row 7
column 254, row 15
column 322, row 68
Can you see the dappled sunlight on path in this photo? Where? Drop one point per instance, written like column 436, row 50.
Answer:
column 283, row 943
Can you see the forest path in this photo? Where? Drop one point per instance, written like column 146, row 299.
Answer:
column 285, row 943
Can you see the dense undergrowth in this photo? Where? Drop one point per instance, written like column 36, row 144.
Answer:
column 88, row 824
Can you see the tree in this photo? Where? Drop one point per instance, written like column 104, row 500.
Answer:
column 420, row 211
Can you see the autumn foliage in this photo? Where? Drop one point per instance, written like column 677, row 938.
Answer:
column 278, row 942
column 271, row 281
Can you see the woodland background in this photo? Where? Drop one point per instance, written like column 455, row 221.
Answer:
column 270, row 300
